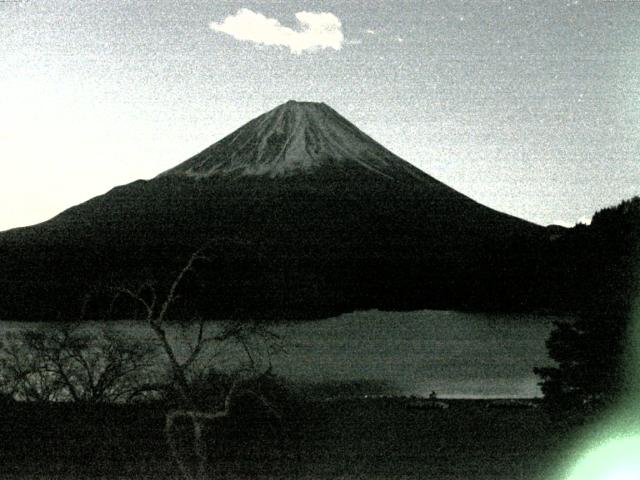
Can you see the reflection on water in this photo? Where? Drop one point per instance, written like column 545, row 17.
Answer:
column 453, row 353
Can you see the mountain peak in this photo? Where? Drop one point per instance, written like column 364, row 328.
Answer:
column 301, row 104
column 295, row 137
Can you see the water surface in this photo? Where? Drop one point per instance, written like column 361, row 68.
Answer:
column 455, row 354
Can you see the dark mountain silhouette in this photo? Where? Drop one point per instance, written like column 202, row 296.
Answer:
column 305, row 216
column 593, row 270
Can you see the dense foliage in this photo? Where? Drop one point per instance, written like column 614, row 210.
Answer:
column 593, row 270
column 590, row 371
column 597, row 277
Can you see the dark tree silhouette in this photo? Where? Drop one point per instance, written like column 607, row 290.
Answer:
column 596, row 275
column 593, row 269
column 590, row 371
column 64, row 362
column 245, row 381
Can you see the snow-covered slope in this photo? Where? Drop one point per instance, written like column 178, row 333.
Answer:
column 306, row 217
column 296, row 137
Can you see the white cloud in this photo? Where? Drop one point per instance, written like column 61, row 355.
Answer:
column 371, row 31
column 317, row 30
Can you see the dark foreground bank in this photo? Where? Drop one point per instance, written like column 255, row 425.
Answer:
column 349, row 439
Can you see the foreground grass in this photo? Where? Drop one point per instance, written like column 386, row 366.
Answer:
column 342, row 439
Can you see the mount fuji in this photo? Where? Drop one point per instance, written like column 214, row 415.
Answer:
column 305, row 217
column 295, row 138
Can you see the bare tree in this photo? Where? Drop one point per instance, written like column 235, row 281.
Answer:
column 22, row 375
column 247, row 335
column 63, row 362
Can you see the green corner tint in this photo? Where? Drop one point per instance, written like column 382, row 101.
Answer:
column 616, row 459
column 611, row 449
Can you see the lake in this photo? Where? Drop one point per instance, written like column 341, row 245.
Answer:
column 463, row 355
column 456, row 354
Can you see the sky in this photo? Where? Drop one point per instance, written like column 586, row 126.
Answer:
column 529, row 107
